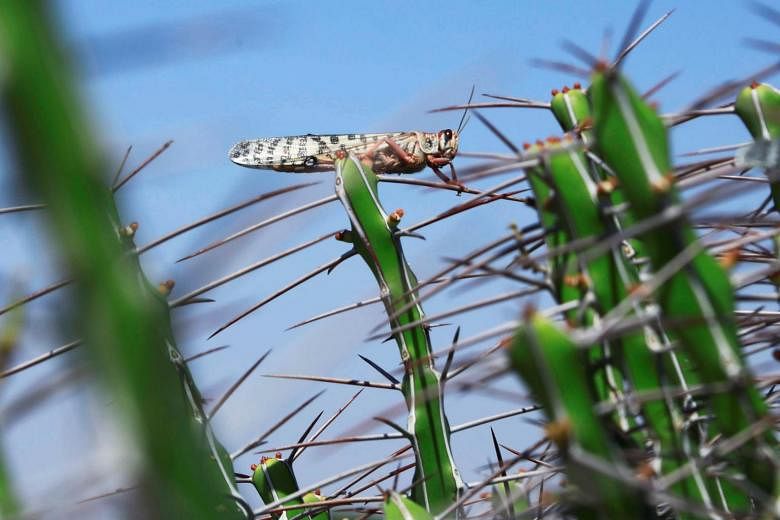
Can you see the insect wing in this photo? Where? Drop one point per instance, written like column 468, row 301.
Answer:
column 293, row 153
column 305, row 153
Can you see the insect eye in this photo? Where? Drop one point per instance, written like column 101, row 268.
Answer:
column 428, row 143
column 448, row 134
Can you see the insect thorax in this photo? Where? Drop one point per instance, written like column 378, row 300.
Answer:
column 386, row 161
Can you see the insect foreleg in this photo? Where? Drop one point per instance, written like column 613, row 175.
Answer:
column 435, row 164
column 440, row 174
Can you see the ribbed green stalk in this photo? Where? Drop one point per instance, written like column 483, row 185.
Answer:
column 610, row 279
column 631, row 139
column 9, row 504
column 569, row 285
column 572, row 110
column 123, row 318
column 274, row 479
column 758, row 106
column 374, row 237
column 550, row 364
column 398, row 507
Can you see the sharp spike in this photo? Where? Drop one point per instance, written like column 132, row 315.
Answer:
column 141, row 166
column 450, row 356
column 257, row 442
column 509, row 505
column 37, row 294
column 765, row 11
column 338, row 440
column 291, row 457
column 329, row 422
column 122, row 164
column 260, row 225
column 335, row 264
column 40, row 359
column 246, row 270
column 558, row 66
column 25, row 207
column 661, row 84
column 579, row 52
column 335, row 380
column 222, row 400
column 222, row 213
column 352, row 306
column 379, row 369
column 205, row 353
column 633, row 25
column 400, row 429
column 504, row 139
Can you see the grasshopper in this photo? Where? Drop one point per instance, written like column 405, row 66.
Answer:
column 394, row 152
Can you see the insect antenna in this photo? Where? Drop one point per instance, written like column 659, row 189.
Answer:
column 462, row 124
column 468, row 118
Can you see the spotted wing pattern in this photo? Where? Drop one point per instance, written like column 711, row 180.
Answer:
column 305, row 153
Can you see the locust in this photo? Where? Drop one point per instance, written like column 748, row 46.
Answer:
column 394, row 152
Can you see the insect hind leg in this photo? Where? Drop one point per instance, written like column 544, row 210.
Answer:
column 399, row 152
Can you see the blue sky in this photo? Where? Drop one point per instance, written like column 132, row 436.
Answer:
column 207, row 74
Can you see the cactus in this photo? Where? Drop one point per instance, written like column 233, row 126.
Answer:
column 634, row 345
column 552, row 366
column 124, row 317
column 375, row 237
column 274, row 479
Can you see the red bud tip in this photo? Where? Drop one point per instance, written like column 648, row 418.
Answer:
column 134, row 226
column 553, row 140
column 253, row 467
column 601, row 66
column 278, row 454
column 399, row 212
column 577, row 85
column 339, row 235
column 263, row 459
column 166, row 287
column 565, row 89
column 755, row 85
column 554, row 92
column 539, row 142
column 528, row 312
column 526, row 146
